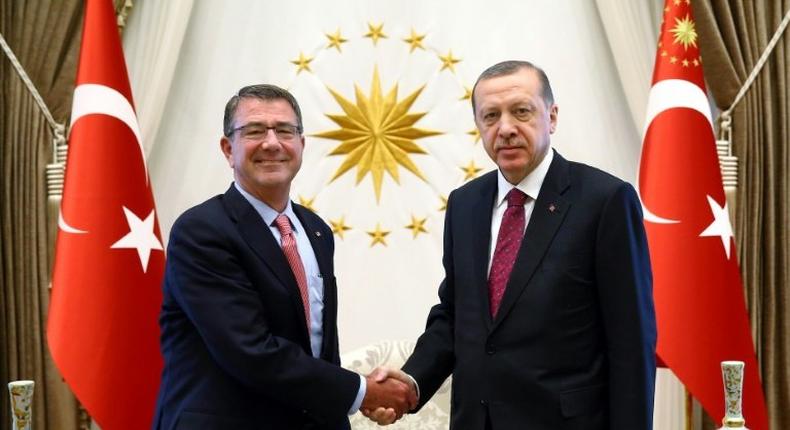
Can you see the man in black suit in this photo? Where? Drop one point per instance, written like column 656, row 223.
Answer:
column 249, row 318
column 546, row 317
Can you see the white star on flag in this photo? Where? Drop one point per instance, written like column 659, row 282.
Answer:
column 720, row 226
column 141, row 236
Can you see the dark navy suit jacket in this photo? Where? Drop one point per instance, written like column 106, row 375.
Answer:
column 234, row 336
column 572, row 345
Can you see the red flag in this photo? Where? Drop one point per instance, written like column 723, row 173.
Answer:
column 106, row 294
column 700, row 308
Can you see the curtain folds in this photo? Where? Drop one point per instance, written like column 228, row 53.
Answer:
column 45, row 39
column 733, row 35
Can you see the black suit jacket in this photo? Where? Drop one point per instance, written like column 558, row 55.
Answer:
column 234, row 337
column 573, row 343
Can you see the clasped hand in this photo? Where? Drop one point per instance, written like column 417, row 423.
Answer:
column 390, row 394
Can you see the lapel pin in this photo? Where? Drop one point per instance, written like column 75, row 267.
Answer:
column 318, row 233
column 552, row 208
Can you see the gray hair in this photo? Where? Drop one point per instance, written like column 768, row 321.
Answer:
column 261, row 92
column 510, row 67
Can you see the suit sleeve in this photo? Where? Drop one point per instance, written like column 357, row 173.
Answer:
column 433, row 358
column 210, row 285
column 625, row 289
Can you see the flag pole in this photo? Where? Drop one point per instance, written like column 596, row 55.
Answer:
column 689, row 407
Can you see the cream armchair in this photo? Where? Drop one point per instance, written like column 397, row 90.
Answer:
column 435, row 415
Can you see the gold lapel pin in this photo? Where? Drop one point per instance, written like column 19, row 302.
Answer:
column 552, row 208
column 318, row 233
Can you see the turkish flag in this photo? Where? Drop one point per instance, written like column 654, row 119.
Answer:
column 699, row 299
column 106, row 295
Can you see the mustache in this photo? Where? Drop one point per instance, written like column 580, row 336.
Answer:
column 511, row 142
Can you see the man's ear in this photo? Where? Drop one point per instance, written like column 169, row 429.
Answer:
column 227, row 149
column 553, row 118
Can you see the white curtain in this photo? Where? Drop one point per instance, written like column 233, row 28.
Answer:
column 152, row 41
column 186, row 60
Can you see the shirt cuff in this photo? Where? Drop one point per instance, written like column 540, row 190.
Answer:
column 416, row 385
column 363, row 388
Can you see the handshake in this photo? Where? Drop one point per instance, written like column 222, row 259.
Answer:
column 390, row 393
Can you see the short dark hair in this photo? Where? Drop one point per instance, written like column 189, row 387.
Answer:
column 513, row 66
column 261, row 92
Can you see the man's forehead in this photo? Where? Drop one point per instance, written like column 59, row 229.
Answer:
column 256, row 106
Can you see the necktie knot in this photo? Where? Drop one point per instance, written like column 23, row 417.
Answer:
column 515, row 197
column 283, row 224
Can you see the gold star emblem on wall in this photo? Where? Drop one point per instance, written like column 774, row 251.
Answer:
column 474, row 133
column 685, row 33
column 415, row 41
column 443, row 207
column 378, row 236
column 417, row 226
column 302, row 63
column 339, row 227
column 471, row 170
column 377, row 134
column 375, row 32
column 335, row 40
column 448, row 61
column 467, row 94
column 308, row 203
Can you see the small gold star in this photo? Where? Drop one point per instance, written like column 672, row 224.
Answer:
column 417, row 226
column 474, row 133
column 339, row 227
column 415, row 41
column 471, row 170
column 448, row 61
column 302, row 63
column 664, row 53
column 677, row 2
column 376, row 32
column 695, row 62
column 335, row 40
column 444, row 204
column 666, row 9
column 688, row 2
column 660, row 43
column 673, row 59
column 378, row 236
column 467, row 94
column 685, row 62
column 308, row 203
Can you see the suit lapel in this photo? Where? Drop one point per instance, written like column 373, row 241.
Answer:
column 547, row 216
column 480, row 216
column 261, row 240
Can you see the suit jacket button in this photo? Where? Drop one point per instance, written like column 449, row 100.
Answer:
column 490, row 349
column 483, row 402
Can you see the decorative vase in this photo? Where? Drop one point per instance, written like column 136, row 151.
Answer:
column 21, row 394
column 732, row 373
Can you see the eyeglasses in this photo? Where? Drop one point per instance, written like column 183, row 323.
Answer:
column 256, row 132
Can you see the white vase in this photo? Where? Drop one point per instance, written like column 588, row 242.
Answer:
column 21, row 394
column 732, row 373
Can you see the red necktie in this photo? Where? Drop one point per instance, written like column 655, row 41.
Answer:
column 288, row 243
column 511, row 232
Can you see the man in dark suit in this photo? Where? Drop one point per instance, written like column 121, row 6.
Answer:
column 249, row 318
column 546, row 318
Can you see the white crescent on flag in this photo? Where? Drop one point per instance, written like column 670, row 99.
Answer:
column 665, row 95
column 101, row 99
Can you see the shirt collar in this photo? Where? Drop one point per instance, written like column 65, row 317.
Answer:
column 266, row 212
column 531, row 183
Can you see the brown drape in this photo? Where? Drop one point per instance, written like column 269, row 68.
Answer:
column 733, row 34
column 45, row 37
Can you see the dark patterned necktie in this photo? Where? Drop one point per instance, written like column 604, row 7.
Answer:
column 511, row 232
